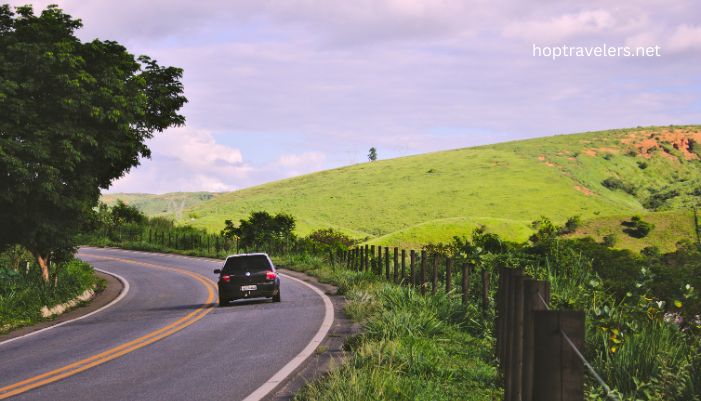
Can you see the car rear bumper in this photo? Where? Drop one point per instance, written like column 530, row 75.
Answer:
column 233, row 291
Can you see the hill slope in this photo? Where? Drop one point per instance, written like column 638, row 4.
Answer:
column 168, row 205
column 504, row 186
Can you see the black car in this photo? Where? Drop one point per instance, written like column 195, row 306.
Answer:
column 250, row 275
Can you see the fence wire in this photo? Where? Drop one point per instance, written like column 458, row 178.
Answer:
column 584, row 360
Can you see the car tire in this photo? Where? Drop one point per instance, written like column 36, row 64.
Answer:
column 276, row 297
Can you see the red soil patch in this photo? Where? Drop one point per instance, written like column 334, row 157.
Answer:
column 645, row 142
column 541, row 158
column 586, row 191
column 550, row 164
column 589, row 152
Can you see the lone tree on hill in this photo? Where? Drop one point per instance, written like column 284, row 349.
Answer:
column 74, row 116
column 372, row 154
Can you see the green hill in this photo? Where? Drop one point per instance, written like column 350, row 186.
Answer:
column 605, row 177
column 167, row 205
column 431, row 197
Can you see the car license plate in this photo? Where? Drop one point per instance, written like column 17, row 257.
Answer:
column 249, row 287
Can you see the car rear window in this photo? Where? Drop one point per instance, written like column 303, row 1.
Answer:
column 242, row 264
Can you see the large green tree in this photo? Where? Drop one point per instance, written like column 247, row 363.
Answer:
column 74, row 116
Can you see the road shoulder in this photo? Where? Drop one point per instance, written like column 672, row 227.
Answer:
column 113, row 288
column 329, row 353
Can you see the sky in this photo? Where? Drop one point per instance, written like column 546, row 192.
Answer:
column 282, row 88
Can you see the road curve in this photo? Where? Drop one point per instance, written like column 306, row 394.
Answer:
column 165, row 340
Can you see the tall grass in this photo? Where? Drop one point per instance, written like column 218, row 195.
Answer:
column 412, row 347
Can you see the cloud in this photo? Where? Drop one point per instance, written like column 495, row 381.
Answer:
column 296, row 164
column 562, row 27
column 685, row 37
column 185, row 159
column 277, row 88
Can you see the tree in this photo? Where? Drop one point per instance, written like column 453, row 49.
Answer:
column 74, row 117
column 261, row 230
column 372, row 154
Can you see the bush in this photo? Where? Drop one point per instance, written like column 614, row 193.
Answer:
column 642, row 165
column 658, row 199
column 610, row 240
column 637, row 227
column 614, row 183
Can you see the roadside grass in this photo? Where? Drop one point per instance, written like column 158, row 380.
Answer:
column 412, row 347
column 23, row 293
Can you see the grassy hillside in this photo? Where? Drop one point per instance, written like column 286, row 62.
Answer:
column 170, row 205
column 597, row 175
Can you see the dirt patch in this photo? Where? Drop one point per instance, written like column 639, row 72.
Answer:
column 589, row 152
column 645, row 143
column 541, row 158
column 586, row 191
column 613, row 151
column 549, row 164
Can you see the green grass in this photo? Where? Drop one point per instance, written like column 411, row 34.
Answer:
column 412, row 347
column 670, row 227
column 431, row 197
column 23, row 294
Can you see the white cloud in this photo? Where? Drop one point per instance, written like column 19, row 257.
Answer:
column 685, row 37
column 562, row 26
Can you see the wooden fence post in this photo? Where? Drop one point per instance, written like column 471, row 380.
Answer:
column 396, row 265
column 422, row 280
column 372, row 258
column 412, row 267
column 533, row 290
column 366, row 258
column 516, row 356
column 404, row 265
column 434, row 275
column 465, row 283
column 558, row 373
column 379, row 261
column 448, row 274
column 485, row 290
column 387, row 263
column 508, row 331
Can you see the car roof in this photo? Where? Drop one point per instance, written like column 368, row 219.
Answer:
column 238, row 255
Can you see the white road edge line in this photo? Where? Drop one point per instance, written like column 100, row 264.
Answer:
column 262, row 391
column 282, row 374
column 121, row 295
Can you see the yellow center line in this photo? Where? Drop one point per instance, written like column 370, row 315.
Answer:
column 123, row 349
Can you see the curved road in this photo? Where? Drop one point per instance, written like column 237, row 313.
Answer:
column 165, row 339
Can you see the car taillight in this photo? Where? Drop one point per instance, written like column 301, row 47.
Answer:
column 226, row 278
column 270, row 275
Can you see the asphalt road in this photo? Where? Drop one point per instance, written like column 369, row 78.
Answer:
column 164, row 340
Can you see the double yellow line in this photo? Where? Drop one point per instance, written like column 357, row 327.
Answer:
column 123, row 349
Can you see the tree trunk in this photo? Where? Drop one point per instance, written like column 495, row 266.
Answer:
column 43, row 261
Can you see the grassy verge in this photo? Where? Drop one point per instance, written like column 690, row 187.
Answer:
column 23, row 293
column 412, row 347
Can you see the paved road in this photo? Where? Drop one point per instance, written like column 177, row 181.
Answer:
column 165, row 340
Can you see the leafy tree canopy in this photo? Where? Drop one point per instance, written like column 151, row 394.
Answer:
column 74, row 116
column 261, row 230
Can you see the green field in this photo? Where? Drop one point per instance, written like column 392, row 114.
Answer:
column 431, row 197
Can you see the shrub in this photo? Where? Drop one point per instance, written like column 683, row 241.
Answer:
column 642, row 165
column 637, row 227
column 610, row 240
column 614, row 183
column 571, row 225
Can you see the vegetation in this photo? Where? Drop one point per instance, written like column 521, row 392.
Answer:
column 76, row 116
column 372, row 154
column 412, row 347
column 171, row 205
column 23, row 292
column 414, row 200
column 643, row 316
